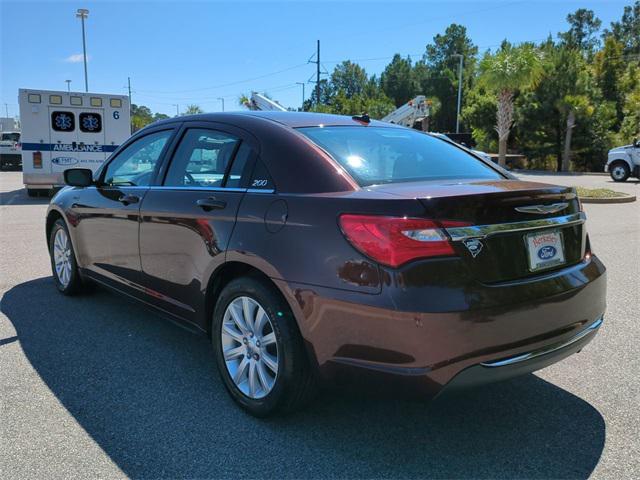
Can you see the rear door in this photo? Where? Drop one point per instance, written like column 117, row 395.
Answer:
column 187, row 220
column 91, row 138
column 63, row 137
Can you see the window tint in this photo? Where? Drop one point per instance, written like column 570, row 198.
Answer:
column 374, row 155
column 236, row 174
column 63, row 121
column 201, row 159
column 260, row 179
column 90, row 122
column 135, row 164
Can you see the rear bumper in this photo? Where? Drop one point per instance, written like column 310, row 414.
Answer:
column 462, row 341
column 506, row 368
column 42, row 179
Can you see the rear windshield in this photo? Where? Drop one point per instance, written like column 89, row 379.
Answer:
column 375, row 155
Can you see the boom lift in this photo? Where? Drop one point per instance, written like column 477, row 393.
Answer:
column 260, row 102
column 413, row 114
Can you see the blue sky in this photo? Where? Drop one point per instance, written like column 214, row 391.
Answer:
column 194, row 52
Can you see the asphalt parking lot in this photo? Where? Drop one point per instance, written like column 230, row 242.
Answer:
column 96, row 386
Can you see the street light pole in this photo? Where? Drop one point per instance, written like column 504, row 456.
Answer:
column 222, row 100
column 302, row 83
column 459, row 91
column 83, row 13
column 68, row 85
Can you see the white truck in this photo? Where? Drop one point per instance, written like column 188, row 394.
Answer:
column 68, row 129
column 260, row 102
column 10, row 149
column 623, row 162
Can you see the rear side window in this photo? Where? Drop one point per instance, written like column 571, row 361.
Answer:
column 63, row 121
column 201, row 159
column 236, row 174
column 376, row 155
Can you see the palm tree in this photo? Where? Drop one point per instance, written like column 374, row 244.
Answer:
column 508, row 70
column 193, row 110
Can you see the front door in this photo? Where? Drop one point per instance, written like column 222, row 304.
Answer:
column 187, row 221
column 106, row 217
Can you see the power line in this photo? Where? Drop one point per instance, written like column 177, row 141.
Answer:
column 230, row 84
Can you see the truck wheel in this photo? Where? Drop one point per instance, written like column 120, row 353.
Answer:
column 620, row 171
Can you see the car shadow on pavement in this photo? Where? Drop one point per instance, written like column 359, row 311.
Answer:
column 148, row 394
column 20, row 197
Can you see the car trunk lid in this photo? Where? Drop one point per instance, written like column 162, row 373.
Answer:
column 505, row 224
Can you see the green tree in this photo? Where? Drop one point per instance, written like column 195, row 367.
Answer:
column 193, row 110
column 437, row 74
column 627, row 30
column 583, row 30
column 397, row 81
column 609, row 67
column 508, row 70
column 350, row 78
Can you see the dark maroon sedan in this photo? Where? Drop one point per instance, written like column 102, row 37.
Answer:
column 318, row 248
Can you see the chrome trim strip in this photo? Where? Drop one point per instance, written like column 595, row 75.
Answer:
column 197, row 188
column 482, row 231
column 543, row 209
column 544, row 351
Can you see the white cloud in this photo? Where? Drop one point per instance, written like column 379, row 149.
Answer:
column 76, row 58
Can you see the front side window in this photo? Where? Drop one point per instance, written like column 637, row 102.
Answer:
column 63, row 121
column 201, row 159
column 135, row 164
column 90, row 122
column 376, row 155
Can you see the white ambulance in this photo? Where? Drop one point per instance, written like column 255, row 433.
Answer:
column 61, row 130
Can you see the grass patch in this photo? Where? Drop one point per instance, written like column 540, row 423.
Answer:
column 598, row 193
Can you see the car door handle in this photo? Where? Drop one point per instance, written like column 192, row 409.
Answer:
column 127, row 199
column 208, row 204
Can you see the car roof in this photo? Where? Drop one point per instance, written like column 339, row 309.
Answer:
column 289, row 119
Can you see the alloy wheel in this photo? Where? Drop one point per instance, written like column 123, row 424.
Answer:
column 62, row 257
column 249, row 347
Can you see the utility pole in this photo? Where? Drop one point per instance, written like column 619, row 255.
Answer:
column 177, row 109
column 6, row 109
column 318, row 75
column 301, row 83
column 222, row 100
column 83, row 13
column 130, row 104
column 459, row 91
column 68, row 85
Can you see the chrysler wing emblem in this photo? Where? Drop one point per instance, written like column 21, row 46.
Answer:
column 474, row 245
column 542, row 209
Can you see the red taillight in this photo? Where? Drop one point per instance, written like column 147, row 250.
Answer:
column 394, row 241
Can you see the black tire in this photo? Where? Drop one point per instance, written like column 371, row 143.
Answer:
column 74, row 284
column 619, row 171
column 295, row 383
column 32, row 192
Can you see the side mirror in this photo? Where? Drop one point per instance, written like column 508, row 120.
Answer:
column 636, row 142
column 78, row 177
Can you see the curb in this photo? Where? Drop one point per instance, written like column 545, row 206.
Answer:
column 560, row 174
column 625, row 199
